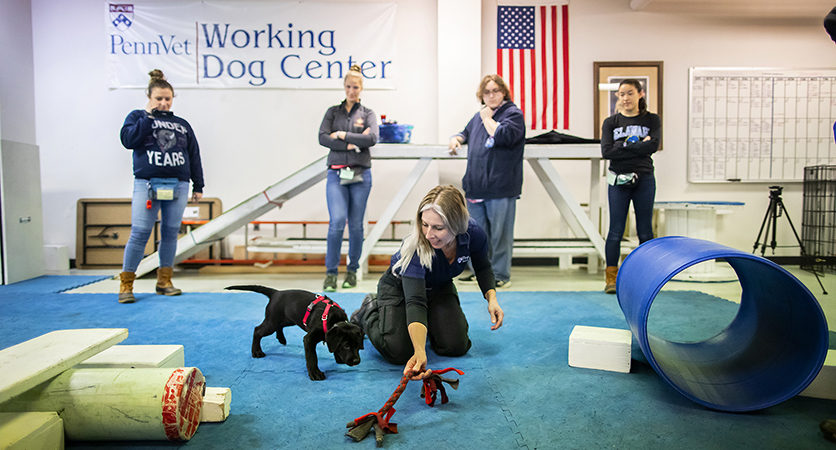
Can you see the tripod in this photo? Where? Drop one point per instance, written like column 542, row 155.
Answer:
column 770, row 221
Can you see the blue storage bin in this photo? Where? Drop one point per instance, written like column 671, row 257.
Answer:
column 395, row 133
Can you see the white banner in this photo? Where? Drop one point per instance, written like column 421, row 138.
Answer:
column 241, row 44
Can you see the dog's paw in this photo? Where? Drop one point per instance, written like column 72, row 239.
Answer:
column 259, row 354
column 316, row 375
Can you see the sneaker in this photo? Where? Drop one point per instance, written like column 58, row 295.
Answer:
column 468, row 279
column 358, row 316
column 503, row 284
column 330, row 284
column 350, row 280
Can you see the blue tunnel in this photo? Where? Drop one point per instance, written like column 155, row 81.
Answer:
column 772, row 349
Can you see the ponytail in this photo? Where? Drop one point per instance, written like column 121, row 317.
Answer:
column 638, row 85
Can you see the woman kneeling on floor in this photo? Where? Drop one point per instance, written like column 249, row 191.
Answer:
column 416, row 297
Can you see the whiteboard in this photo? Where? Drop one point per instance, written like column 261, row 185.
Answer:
column 759, row 124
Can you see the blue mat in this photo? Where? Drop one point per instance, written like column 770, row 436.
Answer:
column 49, row 284
column 517, row 392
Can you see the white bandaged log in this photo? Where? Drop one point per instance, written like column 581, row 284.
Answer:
column 120, row 404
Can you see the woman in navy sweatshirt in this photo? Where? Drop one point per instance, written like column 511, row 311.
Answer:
column 492, row 182
column 165, row 158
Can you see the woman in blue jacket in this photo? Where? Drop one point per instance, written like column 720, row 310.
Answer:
column 492, row 183
column 165, row 158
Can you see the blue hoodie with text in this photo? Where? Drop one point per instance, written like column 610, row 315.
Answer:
column 164, row 146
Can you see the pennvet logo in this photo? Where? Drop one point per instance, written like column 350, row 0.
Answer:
column 121, row 15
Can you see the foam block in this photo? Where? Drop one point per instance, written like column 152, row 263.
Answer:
column 215, row 404
column 28, row 364
column 137, row 356
column 31, row 431
column 824, row 385
column 600, row 348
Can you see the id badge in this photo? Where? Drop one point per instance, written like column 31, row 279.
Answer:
column 165, row 193
column 346, row 173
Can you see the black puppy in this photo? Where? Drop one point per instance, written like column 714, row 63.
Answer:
column 319, row 316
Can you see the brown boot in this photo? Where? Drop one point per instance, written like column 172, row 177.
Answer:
column 612, row 274
column 164, row 286
column 126, row 287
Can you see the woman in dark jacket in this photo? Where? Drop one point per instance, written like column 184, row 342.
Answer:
column 348, row 130
column 416, row 298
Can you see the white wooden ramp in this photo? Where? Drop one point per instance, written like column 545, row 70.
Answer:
column 241, row 214
column 538, row 156
column 28, row 364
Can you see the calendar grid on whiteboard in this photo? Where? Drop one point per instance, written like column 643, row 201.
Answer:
column 759, row 124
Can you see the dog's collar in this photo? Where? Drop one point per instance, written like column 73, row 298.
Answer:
column 328, row 303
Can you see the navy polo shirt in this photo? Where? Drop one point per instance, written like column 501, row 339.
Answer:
column 471, row 246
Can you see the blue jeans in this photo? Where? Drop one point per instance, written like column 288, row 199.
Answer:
column 345, row 202
column 496, row 217
column 642, row 195
column 144, row 219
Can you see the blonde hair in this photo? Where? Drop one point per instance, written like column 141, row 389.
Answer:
column 354, row 72
column 157, row 81
column 448, row 202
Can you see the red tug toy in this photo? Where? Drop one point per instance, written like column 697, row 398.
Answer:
column 433, row 384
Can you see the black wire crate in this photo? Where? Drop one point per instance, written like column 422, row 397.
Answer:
column 818, row 221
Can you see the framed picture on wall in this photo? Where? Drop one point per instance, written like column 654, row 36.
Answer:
column 608, row 74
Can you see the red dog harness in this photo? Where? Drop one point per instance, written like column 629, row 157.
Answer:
column 328, row 303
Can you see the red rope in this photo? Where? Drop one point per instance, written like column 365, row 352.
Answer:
column 432, row 385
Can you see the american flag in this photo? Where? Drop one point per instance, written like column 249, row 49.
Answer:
column 532, row 56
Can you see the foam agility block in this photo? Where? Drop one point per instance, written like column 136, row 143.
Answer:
column 120, row 404
column 31, row 431
column 28, row 364
column 215, row 404
column 824, row 386
column 771, row 350
column 137, row 356
column 600, row 348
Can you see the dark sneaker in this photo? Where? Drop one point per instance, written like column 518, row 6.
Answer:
column 468, row 279
column 350, row 280
column 359, row 316
column 330, row 284
column 503, row 284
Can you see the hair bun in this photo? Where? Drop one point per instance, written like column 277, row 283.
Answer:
column 354, row 68
column 156, row 74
